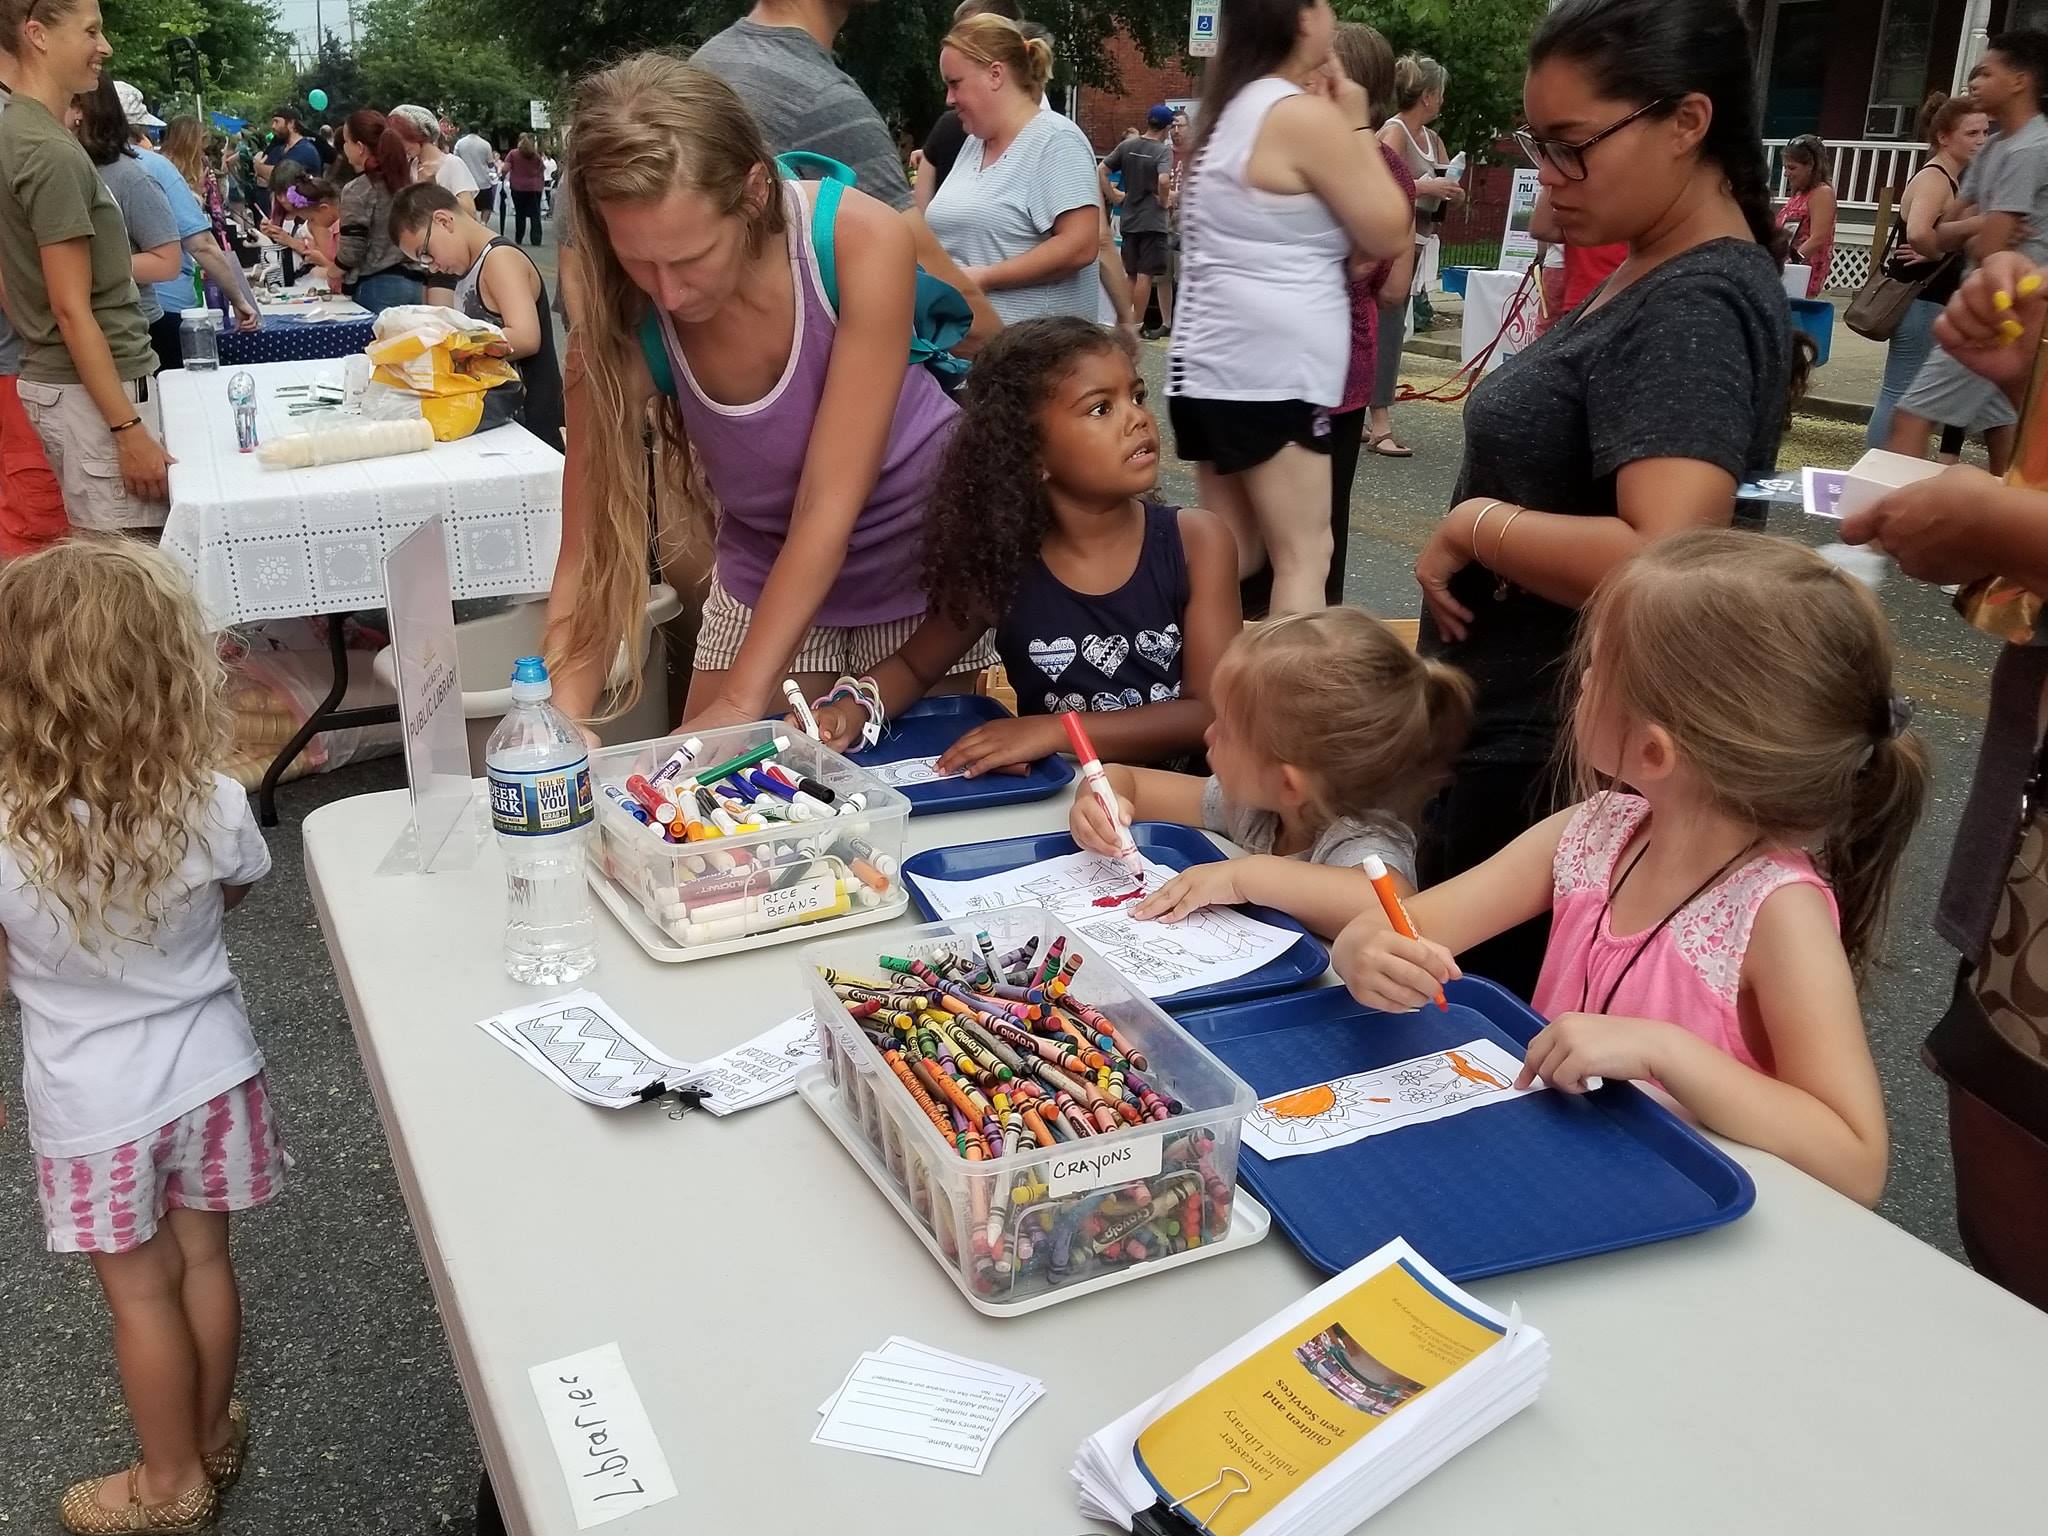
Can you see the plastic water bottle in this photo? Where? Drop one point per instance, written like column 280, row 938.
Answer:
column 199, row 340
column 539, row 771
column 242, row 396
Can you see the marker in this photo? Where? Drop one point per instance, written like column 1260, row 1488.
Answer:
column 801, row 706
column 746, row 759
column 677, row 765
column 1098, row 785
column 1390, row 903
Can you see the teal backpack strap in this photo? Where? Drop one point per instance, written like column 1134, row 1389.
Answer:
column 656, row 352
column 833, row 179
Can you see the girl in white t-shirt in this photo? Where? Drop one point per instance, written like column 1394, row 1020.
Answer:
column 120, row 851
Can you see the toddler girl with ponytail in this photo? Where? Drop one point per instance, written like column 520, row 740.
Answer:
column 1329, row 735
column 1749, row 784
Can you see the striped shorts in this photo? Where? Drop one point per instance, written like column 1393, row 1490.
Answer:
column 836, row 652
column 223, row 1156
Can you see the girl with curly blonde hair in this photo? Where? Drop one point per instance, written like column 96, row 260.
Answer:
column 120, row 851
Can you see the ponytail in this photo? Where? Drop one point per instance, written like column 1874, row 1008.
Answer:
column 1867, row 841
column 989, row 39
column 1448, row 700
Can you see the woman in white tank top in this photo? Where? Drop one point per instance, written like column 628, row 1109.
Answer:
column 1281, row 190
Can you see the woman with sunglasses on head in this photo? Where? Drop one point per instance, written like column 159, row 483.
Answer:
column 1632, row 418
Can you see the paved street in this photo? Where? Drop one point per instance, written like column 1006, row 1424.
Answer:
column 359, row 1424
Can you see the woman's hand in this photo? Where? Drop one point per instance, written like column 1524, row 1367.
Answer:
column 721, row 712
column 1090, row 823
column 2000, row 303
column 247, row 316
column 145, row 466
column 1578, row 1046
column 1199, row 886
column 1448, row 552
column 1383, row 970
column 1934, row 528
column 1004, row 744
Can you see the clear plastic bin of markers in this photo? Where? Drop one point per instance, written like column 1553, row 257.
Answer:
column 1039, row 1152
column 745, row 836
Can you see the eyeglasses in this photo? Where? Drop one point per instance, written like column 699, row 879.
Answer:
column 1567, row 159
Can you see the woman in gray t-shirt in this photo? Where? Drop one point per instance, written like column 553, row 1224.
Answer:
column 102, row 129
column 1021, row 210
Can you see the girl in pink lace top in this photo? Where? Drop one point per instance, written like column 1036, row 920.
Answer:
column 1710, row 925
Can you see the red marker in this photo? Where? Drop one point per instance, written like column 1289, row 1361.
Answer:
column 1098, row 785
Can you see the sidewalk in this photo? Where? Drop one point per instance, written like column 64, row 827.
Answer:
column 1843, row 390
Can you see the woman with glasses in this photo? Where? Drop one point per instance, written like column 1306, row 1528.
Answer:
column 1809, row 213
column 1632, row 418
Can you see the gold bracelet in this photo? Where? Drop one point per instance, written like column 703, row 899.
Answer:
column 1479, row 522
column 1500, row 582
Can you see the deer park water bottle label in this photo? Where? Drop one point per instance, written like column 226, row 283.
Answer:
column 543, row 801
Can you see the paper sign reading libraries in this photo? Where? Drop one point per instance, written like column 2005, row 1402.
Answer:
column 611, row 1463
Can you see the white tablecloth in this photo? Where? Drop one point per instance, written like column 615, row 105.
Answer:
column 272, row 543
column 1487, row 297
column 304, row 307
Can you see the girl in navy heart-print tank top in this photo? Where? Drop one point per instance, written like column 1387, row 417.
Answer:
column 1041, row 527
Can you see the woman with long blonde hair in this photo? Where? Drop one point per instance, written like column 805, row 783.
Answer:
column 184, row 145
column 806, row 423
column 121, row 848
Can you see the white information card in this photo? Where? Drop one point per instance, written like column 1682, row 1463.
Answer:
column 422, row 610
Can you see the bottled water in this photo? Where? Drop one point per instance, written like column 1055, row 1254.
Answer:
column 539, row 771
column 198, row 340
column 242, row 396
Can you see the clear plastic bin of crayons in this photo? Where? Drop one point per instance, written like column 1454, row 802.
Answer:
column 1015, row 1205
column 697, row 862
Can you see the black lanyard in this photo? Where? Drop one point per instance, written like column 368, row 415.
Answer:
column 1607, row 913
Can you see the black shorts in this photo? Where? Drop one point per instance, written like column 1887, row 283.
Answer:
column 1236, row 435
column 1145, row 253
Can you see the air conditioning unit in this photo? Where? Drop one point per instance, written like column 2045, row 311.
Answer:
column 1885, row 121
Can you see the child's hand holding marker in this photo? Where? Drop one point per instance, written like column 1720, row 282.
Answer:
column 1390, row 971
column 839, row 724
column 1089, row 819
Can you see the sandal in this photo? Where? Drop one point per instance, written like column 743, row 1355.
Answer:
column 224, row 1466
column 1387, row 447
column 81, row 1513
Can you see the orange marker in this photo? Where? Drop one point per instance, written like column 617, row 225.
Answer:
column 1390, row 901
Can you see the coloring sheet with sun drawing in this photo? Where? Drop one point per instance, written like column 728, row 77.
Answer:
column 1090, row 894
column 1326, row 1116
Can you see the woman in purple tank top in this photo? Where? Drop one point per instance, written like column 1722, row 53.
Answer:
column 815, row 440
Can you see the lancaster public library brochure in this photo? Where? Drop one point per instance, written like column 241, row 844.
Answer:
column 1323, row 1414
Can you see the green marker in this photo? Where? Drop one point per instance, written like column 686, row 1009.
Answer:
column 750, row 758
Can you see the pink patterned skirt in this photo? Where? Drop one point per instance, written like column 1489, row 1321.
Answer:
column 223, row 1156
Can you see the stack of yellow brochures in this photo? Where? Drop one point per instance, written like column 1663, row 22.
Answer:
column 1322, row 1415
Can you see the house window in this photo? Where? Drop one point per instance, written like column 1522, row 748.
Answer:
column 1899, row 84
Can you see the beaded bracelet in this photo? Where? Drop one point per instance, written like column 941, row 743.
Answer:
column 862, row 691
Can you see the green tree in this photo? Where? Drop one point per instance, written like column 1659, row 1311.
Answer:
column 1483, row 43
column 890, row 47
column 156, row 41
column 409, row 52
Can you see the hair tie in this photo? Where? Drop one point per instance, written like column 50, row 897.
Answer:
column 1889, row 718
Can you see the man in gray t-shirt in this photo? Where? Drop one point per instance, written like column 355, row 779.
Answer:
column 802, row 98
column 2002, row 205
column 1146, row 162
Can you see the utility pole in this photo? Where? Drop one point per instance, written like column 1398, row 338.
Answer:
column 351, row 27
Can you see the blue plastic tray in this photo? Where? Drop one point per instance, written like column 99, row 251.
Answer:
column 1548, row 1177
column 1164, row 843
column 930, row 726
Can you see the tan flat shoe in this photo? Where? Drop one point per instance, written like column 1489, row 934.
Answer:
column 224, row 1466
column 81, row 1513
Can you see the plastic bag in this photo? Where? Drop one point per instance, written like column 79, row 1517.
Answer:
column 448, row 360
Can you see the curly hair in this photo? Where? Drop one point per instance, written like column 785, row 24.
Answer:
column 112, row 718
column 989, row 515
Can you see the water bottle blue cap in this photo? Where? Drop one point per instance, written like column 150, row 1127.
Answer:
column 529, row 669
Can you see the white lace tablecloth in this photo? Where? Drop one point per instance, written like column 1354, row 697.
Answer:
column 274, row 543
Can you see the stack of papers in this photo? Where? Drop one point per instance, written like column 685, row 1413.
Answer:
column 1323, row 1415
column 910, row 1402
column 762, row 1070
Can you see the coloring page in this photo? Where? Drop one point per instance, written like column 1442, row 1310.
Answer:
column 763, row 1068
column 906, row 771
column 1089, row 893
column 1325, row 1116
column 577, row 1043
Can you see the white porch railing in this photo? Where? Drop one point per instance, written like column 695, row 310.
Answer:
column 1859, row 170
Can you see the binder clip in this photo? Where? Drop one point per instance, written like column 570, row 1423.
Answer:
column 1176, row 1519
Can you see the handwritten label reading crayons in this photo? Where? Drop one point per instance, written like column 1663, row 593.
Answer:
column 611, row 1462
column 1086, row 1168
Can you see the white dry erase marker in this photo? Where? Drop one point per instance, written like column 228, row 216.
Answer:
column 802, row 707
column 1098, row 785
